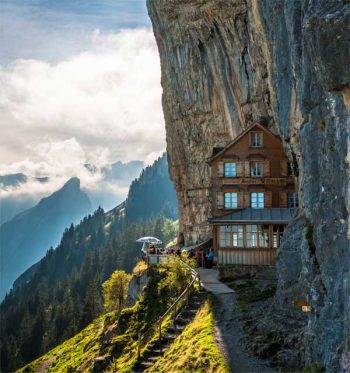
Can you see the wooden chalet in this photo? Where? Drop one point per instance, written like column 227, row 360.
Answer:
column 253, row 197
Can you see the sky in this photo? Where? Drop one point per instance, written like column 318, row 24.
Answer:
column 79, row 83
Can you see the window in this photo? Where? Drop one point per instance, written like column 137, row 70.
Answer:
column 225, row 235
column 277, row 235
column 257, row 235
column 256, row 139
column 252, row 235
column 230, row 169
column 237, row 235
column 263, row 235
column 292, row 200
column 231, row 236
column 257, row 200
column 256, row 169
column 231, row 200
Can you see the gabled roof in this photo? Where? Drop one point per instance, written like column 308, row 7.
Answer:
column 237, row 138
column 248, row 215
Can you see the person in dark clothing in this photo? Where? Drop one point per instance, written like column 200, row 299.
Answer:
column 210, row 258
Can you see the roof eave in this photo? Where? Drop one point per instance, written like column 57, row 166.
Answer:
column 210, row 159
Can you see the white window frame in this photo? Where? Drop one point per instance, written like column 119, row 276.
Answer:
column 230, row 200
column 256, row 169
column 256, row 139
column 231, row 236
column 251, row 235
column 230, row 169
column 257, row 200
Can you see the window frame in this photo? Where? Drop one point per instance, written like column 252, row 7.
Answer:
column 294, row 199
column 254, row 137
column 277, row 234
column 249, row 236
column 227, row 235
column 230, row 169
column 231, row 200
column 253, row 166
column 258, row 197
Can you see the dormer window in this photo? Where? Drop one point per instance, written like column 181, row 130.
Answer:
column 230, row 169
column 256, row 139
column 256, row 169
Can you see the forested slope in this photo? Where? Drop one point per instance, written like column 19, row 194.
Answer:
column 61, row 294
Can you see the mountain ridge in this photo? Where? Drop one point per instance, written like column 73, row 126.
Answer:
column 26, row 237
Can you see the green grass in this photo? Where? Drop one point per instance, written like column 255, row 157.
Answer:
column 194, row 350
column 115, row 342
column 74, row 353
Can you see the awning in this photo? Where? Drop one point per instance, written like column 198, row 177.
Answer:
column 266, row 215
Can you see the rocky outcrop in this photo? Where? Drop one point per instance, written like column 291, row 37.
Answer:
column 228, row 63
column 136, row 285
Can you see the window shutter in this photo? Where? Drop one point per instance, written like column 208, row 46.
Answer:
column 220, row 169
column 246, row 168
column 283, row 199
column 284, row 167
column 239, row 169
column 220, row 200
column 240, row 200
column 268, row 198
column 246, row 199
column 266, row 168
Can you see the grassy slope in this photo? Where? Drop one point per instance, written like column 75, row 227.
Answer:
column 73, row 353
column 194, row 350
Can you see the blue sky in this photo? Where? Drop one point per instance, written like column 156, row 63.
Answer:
column 52, row 30
column 79, row 83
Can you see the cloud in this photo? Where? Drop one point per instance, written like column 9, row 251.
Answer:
column 59, row 161
column 107, row 99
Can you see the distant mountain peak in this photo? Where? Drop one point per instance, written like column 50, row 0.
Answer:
column 73, row 182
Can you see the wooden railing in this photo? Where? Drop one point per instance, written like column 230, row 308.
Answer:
column 175, row 307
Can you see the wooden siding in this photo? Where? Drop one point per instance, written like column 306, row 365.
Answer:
column 274, row 181
column 251, row 256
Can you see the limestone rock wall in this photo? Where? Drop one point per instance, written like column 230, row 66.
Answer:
column 228, row 63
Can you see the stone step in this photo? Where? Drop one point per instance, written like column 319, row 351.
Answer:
column 168, row 336
column 153, row 358
column 183, row 321
column 157, row 348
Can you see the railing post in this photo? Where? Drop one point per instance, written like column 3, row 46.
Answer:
column 160, row 335
column 174, row 319
column 138, row 346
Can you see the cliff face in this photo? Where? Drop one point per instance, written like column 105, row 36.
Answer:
column 228, row 63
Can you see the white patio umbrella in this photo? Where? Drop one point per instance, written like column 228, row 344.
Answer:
column 149, row 240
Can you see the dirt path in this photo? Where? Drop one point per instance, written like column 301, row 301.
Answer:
column 231, row 338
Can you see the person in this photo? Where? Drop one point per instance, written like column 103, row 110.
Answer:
column 210, row 258
column 152, row 249
column 191, row 254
